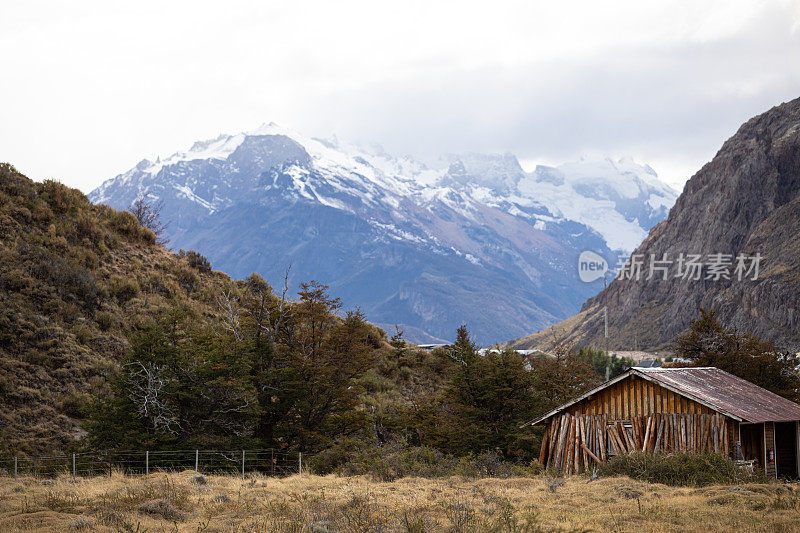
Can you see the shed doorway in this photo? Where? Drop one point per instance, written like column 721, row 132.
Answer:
column 752, row 437
column 786, row 449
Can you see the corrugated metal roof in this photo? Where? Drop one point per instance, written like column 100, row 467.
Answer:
column 725, row 393
column 712, row 387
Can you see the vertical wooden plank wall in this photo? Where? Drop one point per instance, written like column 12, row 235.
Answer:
column 575, row 443
column 633, row 414
column 636, row 396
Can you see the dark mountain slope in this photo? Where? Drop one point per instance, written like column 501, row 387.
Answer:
column 745, row 201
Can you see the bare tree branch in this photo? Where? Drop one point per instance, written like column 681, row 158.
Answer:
column 146, row 385
column 148, row 213
column 229, row 305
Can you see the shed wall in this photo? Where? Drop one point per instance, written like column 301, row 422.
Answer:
column 635, row 396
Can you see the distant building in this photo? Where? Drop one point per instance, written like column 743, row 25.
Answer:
column 648, row 363
column 431, row 347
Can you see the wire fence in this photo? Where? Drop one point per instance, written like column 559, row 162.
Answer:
column 144, row 462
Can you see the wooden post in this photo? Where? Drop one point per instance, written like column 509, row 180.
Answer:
column 683, row 433
column 15, row 468
column 646, row 433
column 562, row 443
column 584, row 440
column 567, row 461
column 108, row 454
column 660, row 434
column 300, row 463
column 272, row 461
column 576, row 460
column 243, row 459
column 601, row 438
column 703, row 433
column 196, row 461
column 543, row 446
column 73, row 468
column 147, row 463
column 589, row 452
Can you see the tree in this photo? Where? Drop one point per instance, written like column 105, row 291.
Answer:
column 601, row 362
column 484, row 403
column 181, row 384
column 561, row 376
column 708, row 343
column 148, row 213
column 463, row 350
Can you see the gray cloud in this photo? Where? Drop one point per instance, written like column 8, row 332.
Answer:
column 674, row 105
column 94, row 89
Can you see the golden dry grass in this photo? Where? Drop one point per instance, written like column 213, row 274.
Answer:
column 173, row 502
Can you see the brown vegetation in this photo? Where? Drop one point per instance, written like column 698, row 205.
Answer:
column 75, row 280
column 173, row 502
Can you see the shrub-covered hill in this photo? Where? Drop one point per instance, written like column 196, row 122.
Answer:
column 77, row 281
column 108, row 340
column 75, row 278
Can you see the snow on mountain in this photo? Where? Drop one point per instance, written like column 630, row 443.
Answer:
column 474, row 239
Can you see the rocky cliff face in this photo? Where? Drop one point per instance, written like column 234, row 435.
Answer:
column 745, row 201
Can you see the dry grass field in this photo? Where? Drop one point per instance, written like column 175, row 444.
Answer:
column 178, row 502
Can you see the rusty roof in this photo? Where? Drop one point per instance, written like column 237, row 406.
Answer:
column 716, row 389
column 726, row 393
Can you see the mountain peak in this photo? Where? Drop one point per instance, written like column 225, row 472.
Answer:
column 390, row 232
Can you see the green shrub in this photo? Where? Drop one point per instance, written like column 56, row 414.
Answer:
column 76, row 405
column 693, row 470
column 395, row 459
column 61, row 198
column 126, row 225
column 123, row 289
column 196, row 260
column 187, row 278
column 105, row 320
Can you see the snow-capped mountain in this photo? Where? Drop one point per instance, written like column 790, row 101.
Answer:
column 471, row 239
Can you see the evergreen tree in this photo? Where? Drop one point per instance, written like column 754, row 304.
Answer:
column 708, row 343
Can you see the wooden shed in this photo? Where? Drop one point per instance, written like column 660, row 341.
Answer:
column 672, row 410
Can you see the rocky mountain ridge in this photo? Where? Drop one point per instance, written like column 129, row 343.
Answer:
column 472, row 238
column 746, row 201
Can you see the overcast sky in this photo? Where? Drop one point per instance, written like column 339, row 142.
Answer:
column 87, row 89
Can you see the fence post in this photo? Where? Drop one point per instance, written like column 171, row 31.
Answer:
column 15, row 468
column 196, row 460
column 242, row 464
column 108, row 454
column 73, row 468
column 147, row 462
column 272, row 461
column 300, row 462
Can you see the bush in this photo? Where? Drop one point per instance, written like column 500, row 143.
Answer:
column 187, row 279
column 125, row 224
column 693, row 470
column 395, row 460
column 196, row 260
column 105, row 320
column 123, row 289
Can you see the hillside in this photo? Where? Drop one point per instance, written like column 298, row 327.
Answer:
column 469, row 238
column 745, row 201
column 75, row 278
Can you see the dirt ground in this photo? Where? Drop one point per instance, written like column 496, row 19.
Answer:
column 181, row 502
